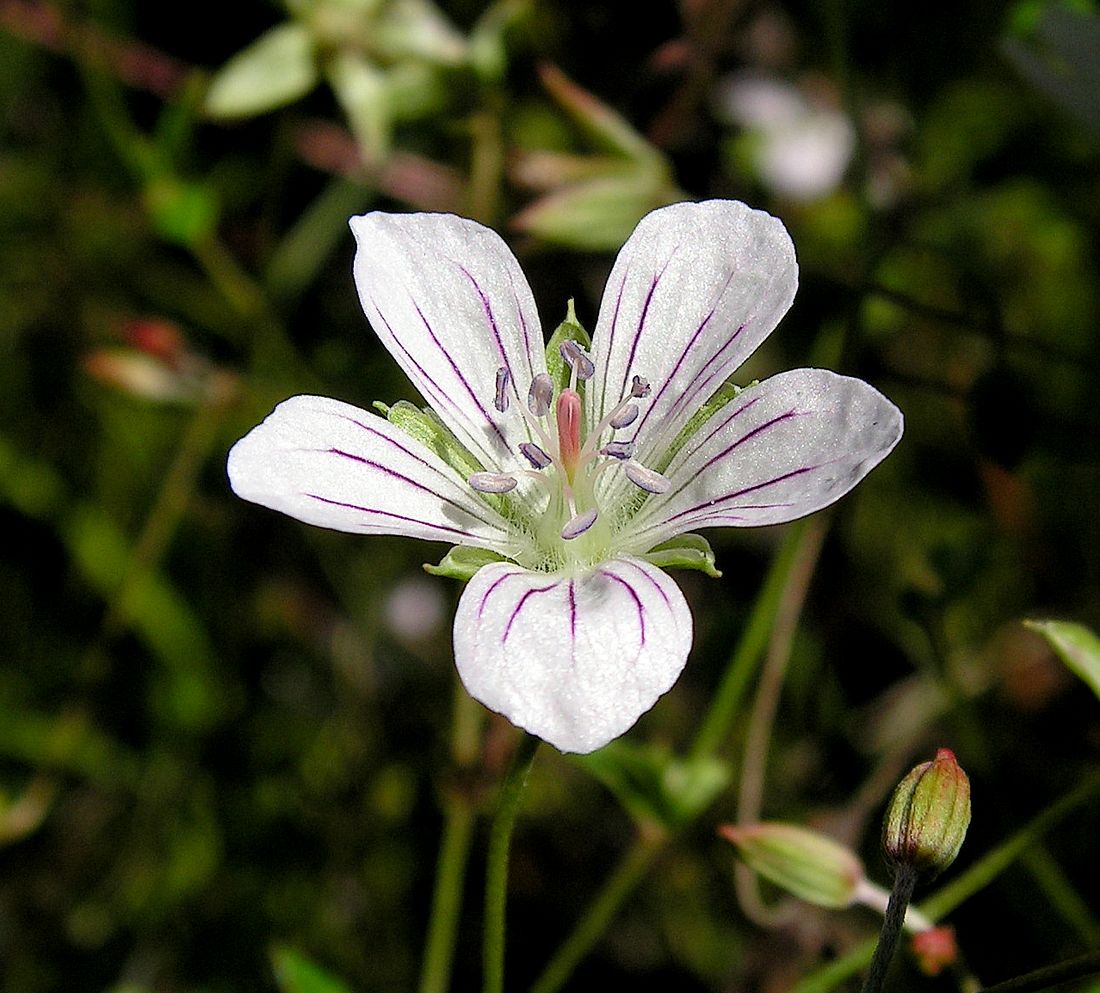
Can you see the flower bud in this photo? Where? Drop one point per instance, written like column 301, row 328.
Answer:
column 934, row 949
column 928, row 816
column 809, row 865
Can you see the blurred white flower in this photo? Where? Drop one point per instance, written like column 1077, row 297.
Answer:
column 800, row 149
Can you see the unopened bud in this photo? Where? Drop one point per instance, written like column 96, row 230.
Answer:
column 928, row 816
column 813, row 867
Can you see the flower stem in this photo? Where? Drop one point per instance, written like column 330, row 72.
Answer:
column 1084, row 965
column 496, row 871
column 904, row 883
column 611, row 896
column 460, row 815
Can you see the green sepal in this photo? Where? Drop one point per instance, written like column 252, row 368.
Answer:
column 430, row 431
column 462, row 562
column 655, row 786
column 728, row 391
column 685, row 551
column 294, row 973
column 569, row 330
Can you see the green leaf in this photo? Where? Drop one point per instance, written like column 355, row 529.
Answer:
column 360, row 87
column 278, row 68
column 462, row 562
column 569, row 330
column 728, row 391
column 185, row 213
column 1076, row 645
column 685, row 551
column 655, row 786
column 294, row 973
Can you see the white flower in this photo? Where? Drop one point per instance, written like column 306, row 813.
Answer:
column 574, row 633
column 803, row 149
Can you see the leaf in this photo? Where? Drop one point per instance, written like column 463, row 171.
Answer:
column 1076, row 645
column 278, row 68
column 655, row 786
column 294, row 973
column 685, row 551
column 360, row 86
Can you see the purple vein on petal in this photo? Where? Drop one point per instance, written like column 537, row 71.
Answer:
column 755, row 432
column 634, row 596
column 393, row 473
column 522, row 603
column 708, row 504
column 441, row 397
column 412, row 455
column 390, row 514
column 607, row 348
column 653, row 582
column 572, row 611
column 657, row 276
column 461, row 378
column 683, row 356
column 491, row 590
column 685, row 454
column 526, row 332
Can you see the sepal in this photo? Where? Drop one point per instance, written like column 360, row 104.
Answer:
column 685, row 551
column 570, row 329
column 429, row 430
column 463, row 562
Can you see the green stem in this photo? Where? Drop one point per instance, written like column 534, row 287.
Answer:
column 460, row 815
column 1084, row 965
column 904, row 883
column 754, row 638
column 496, row 871
column 612, row 895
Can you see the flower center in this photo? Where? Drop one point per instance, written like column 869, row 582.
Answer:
column 571, row 528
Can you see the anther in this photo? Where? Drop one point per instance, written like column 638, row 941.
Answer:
column 504, row 377
column 625, row 417
column 541, row 395
column 579, row 524
column 639, row 387
column 646, row 479
column 578, row 361
column 618, row 449
column 535, row 455
column 492, row 482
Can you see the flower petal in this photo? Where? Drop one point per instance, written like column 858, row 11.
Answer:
column 448, row 299
column 693, row 292
column 783, row 449
column 575, row 660
column 331, row 464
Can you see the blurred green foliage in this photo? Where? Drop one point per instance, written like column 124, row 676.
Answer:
column 222, row 732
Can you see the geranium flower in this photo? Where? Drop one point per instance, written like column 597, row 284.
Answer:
column 572, row 479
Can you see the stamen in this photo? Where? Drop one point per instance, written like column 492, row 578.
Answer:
column 504, row 377
column 640, row 387
column 578, row 361
column 625, row 417
column 541, row 395
column 492, row 482
column 535, row 455
column 646, row 479
column 618, row 449
column 579, row 524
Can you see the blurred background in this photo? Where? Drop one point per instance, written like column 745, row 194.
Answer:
column 225, row 738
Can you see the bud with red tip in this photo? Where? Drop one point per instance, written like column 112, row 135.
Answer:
column 928, row 816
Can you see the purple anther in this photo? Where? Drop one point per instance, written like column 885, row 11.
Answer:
column 541, row 395
column 625, row 417
column 618, row 449
column 504, row 377
column 492, row 482
column 639, row 387
column 578, row 361
column 646, row 479
column 535, row 455
column 579, row 524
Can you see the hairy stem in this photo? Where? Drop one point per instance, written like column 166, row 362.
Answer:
column 904, row 883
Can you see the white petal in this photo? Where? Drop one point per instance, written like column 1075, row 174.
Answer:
column 448, row 299
column 693, row 292
column 783, row 449
column 575, row 660
column 331, row 464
